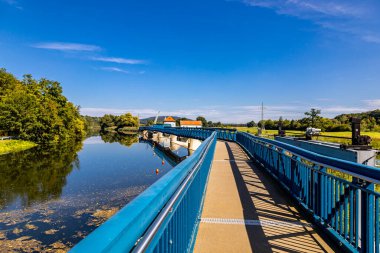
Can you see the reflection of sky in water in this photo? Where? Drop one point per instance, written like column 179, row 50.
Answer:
column 112, row 166
column 104, row 177
column 181, row 151
column 176, row 148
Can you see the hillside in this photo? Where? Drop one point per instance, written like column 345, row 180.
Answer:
column 364, row 115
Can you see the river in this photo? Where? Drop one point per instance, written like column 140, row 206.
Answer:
column 51, row 198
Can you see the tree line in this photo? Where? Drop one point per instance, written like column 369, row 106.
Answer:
column 36, row 110
column 370, row 122
column 126, row 121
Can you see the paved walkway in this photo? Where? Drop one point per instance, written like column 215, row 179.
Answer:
column 245, row 211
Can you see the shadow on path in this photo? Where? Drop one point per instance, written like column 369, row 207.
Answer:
column 262, row 199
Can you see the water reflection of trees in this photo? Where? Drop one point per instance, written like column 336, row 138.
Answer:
column 36, row 175
column 124, row 139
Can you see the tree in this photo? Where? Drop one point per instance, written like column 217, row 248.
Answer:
column 280, row 123
column 108, row 120
column 313, row 116
column 269, row 124
column 37, row 110
column 118, row 122
column 251, row 124
column 127, row 120
column 204, row 121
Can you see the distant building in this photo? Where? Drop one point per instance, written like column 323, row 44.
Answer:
column 190, row 123
column 169, row 121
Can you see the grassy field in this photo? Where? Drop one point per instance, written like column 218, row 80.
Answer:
column 374, row 135
column 8, row 146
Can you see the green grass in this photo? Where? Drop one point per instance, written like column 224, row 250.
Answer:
column 9, row 146
column 374, row 135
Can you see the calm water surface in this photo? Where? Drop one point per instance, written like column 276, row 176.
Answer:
column 51, row 198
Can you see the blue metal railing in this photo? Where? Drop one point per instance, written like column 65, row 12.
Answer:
column 196, row 133
column 339, row 195
column 165, row 217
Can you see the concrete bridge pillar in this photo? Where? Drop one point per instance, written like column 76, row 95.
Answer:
column 194, row 144
column 160, row 135
column 154, row 135
column 173, row 138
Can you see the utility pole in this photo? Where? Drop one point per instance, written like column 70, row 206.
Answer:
column 262, row 116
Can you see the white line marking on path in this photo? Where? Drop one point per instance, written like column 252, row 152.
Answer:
column 254, row 222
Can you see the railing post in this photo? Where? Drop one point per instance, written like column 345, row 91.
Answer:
column 367, row 218
column 293, row 164
column 322, row 194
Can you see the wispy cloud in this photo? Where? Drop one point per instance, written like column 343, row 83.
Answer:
column 63, row 46
column 356, row 18
column 115, row 69
column 373, row 102
column 13, row 3
column 371, row 38
column 309, row 8
column 118, row 60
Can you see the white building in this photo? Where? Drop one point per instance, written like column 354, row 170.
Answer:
column 191, row 123
column 169, row 121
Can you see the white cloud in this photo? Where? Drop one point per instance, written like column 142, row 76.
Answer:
column 343, row 109
column 308, row 9
column 371, row 38
column 357, row 18
column 63, row 46
column 373, row 103
column 118, row 60
column 115, row 69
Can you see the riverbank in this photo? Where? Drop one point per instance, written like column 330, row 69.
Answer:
column 10, row 146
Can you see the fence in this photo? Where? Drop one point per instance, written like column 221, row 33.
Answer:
column 339, row 195
column 165, row 217
column 342, row 197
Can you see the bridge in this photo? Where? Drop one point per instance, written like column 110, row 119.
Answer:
column 243, row 193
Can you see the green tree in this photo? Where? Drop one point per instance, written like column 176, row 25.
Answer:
column 149, row 122
column 204, row 121
column 313, row 116
column 108, row 120
column 127, row 120
column 251, row 124
column 37, row 111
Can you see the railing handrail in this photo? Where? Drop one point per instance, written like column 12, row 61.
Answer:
column 368, row 173
column 154, row 227
column 139, row 214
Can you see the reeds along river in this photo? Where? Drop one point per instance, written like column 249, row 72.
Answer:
column 52, row 197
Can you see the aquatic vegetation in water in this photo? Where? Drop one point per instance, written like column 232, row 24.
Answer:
column 42, row 228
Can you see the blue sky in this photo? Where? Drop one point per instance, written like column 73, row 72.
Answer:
column 219, row 59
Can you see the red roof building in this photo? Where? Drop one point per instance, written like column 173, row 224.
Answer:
column 169, row 121
column 190, row 123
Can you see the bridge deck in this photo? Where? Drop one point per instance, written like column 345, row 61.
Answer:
column 245, row 211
